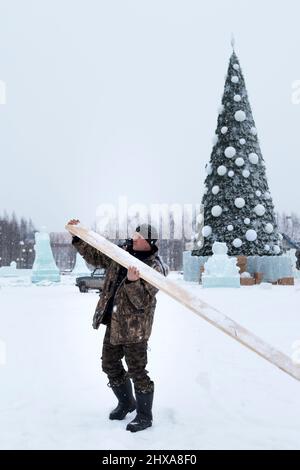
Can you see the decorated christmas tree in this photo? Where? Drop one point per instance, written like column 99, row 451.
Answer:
column 238, row 207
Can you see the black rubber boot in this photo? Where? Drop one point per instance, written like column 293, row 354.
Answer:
column 143, row 417
column 126, row 400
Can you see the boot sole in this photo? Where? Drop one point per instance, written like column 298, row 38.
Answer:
column 128, row 428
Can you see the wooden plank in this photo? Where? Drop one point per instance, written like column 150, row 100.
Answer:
column 194, row 303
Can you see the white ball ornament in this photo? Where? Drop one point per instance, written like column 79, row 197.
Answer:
column 235, row 79
column 253, row 158
column 269, row 228
column 224, row 129
column 237, row 98
column 242, row 141
column 247, row 221
column 222, row 170
column 230, row 228
column 236, row 66
column 221, row 109
column 267, row 248
column 237, row 243
column 239, row 161
column 215, row 190
column 205, row 190
column 245, row 274
column 239, row 202
column 276, row 249
column 267, row 195
column 206, row 231
column 246, row 173
column 253, row 130
column 259, row 210
column 280, row 237
column 231, row 174
column 240, row 116
column 251, row 235
column 216, row 211
column 230, row 152
column 258, row 193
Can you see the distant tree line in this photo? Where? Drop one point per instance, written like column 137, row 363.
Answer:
column 172, row 248
column 63, row 251
column 16, row 240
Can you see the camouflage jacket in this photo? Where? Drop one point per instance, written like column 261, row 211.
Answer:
column 134, row 302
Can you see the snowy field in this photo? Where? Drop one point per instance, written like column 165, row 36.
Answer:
column 211, row 393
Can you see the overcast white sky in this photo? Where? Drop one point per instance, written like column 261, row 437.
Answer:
column 120, row 97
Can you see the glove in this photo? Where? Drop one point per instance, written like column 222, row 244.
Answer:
column 75, row 239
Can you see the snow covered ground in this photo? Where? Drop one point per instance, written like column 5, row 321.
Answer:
column 211, row 393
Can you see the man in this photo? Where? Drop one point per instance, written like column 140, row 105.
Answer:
column 126, row 306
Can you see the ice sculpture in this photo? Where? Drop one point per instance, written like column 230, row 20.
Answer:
column 220, row 270
column 9, row 271
column 80, row 268
column 44, row 267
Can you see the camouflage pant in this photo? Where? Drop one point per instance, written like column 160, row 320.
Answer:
column 136, row 359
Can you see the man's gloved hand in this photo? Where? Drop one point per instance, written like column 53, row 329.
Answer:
column 96, row 322
column 133, row 273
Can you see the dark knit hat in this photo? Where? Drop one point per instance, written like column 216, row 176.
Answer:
column 149, row 232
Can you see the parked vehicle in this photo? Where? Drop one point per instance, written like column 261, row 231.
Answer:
column 93, row 282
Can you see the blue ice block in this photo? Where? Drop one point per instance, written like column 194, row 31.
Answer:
column 220, row 281
column 44, row 267
column 272, row 267
column 192, row 266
